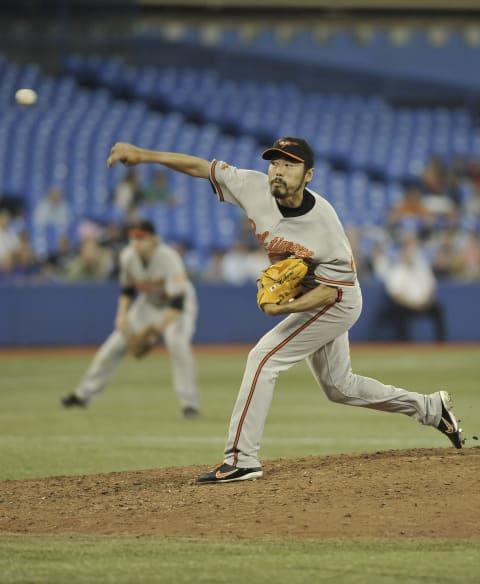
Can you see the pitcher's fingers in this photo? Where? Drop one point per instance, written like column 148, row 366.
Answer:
column 112, row 159
column 113, row 155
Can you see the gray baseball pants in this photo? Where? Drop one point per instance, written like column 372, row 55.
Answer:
column 178, row 341
column 320, row 337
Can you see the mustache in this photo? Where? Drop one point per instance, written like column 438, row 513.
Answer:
column 278, row 181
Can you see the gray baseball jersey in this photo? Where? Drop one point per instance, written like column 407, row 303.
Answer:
column 164, row 277
column 316, row 236
column 320, row 336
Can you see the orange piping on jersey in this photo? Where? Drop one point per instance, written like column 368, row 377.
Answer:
column 215, row 182
column 327, row 281
column 257, row 374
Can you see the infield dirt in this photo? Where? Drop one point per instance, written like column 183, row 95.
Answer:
column 411, row 493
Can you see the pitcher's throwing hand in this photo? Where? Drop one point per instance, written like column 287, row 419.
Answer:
column 127, row 154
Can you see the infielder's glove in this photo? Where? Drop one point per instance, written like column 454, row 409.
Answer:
column 281, row 282
column 141, row 344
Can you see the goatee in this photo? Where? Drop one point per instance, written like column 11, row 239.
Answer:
column 278, row 190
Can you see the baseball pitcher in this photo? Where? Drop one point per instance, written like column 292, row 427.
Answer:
column 292, row 221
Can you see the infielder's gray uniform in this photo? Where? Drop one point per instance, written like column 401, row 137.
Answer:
column 320, row 336
column 164, row 277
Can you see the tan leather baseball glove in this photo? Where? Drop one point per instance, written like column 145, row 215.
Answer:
column 142, row 343
column 281, row 282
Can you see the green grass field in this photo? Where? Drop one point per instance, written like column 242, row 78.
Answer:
column 136, row 424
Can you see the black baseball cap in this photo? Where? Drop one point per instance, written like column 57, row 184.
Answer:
column 295, row 148
column 141, row 228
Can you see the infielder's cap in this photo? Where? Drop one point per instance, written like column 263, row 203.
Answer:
column 295, row 148
column 141, row 228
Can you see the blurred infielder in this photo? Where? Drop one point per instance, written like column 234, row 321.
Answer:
column 156, row 299
column 291, row 220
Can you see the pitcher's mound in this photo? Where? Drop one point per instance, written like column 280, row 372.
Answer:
column 413, row 493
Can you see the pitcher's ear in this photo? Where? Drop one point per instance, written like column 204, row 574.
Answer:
column 309, row 174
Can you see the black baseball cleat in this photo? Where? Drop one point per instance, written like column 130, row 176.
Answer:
column 226, row 473
column 190, row 412
column 448, row 423
column 72, row 401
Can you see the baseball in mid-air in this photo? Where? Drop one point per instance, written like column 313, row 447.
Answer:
column 26, row 96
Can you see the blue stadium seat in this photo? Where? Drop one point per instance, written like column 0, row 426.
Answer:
column 365, row 147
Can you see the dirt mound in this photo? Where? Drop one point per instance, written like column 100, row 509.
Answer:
column 432, row 493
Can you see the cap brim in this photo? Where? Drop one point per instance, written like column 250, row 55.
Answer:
column 271, row 153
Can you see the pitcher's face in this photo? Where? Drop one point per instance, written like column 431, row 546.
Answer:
column 287, row 178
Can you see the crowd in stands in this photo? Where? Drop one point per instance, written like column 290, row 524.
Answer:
column 445, row 222
column 434, row 212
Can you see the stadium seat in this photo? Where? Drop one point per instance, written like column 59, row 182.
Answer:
column 365, row 147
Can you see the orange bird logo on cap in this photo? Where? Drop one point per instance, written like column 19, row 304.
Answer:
column 284, row 143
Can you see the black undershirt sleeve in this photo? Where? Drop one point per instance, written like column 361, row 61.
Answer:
column 177, row 302
column 128, row 291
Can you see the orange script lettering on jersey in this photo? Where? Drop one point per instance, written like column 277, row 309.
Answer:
column 280, row 244
column 149, row 285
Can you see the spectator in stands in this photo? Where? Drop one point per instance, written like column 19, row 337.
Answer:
column 474, row 172
column 25, row 263
column 411, row 289
column 214, row 270
column 114, row 238
column 90, row 229
column 65, row 253
column 49, row 272
column 452, row 187
column 380, row 259
column 16, row 207
column 190, row 255
column 445, row 254
column 443, row 205
column 460, row 166
column 131, row 216
column 441, row 186
column 235, row 265
column 128, row 192
column 158, row 191
column 57, row 264
column 433, row 176
column 53, row 210
column 411, row 212
column 469, row 258
column 471, row 205
column 93, row 262
column 9, row 241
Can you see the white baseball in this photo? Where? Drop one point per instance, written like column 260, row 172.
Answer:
column 26, row 96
